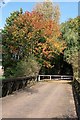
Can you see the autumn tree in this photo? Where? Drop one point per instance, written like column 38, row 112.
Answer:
column 49, row 9
column 30, row 34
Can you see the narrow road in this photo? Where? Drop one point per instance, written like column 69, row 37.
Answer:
column 43, row 100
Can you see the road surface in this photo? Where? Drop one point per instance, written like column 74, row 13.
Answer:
column 43, row 100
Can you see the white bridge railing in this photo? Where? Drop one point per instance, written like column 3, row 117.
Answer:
column 56, row 77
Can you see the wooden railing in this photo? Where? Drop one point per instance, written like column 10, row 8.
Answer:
column 76, row 92
column 76, row 85
column 10, row 85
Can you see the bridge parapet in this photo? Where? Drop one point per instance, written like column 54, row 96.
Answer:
column 8, row 86
column 76, row 91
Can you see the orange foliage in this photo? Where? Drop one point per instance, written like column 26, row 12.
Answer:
column 38, row 34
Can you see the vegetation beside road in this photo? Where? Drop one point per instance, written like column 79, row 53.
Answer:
column 70, row 33
column 31, row 36
column 35, row 43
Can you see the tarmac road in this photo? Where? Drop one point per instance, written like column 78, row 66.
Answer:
column 43, row 100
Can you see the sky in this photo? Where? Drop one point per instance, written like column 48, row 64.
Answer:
column 67, row 10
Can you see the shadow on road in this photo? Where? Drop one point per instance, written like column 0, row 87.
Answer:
column 31, row 90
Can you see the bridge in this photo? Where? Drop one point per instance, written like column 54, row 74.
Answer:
column 45, row 99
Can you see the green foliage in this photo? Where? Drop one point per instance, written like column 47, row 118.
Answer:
column 70, row 31
column 29, row 67
column 12, row 17
column 0, row 47
column 8, row 62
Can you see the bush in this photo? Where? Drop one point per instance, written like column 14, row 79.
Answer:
column 29, row 67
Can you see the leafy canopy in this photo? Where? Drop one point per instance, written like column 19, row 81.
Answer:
column 27, row 34
column 70, row 30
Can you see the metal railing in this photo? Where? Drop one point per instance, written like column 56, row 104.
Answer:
column 56, row 77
